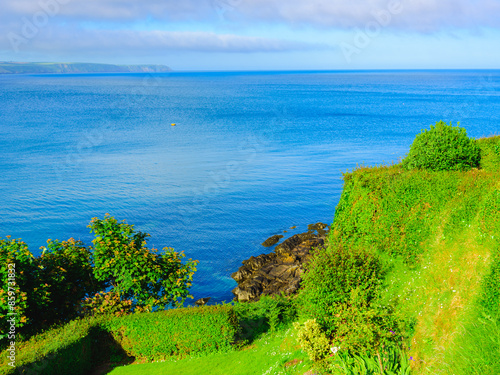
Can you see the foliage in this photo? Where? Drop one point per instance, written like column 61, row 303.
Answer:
column 152, row 279
column 394, row 362
column 184, row 331
column 361, row 327
column 70, row 349
column 330, row 278
column 16, row 267
column 106, row 303
column 269, row 313
column 313, row 339
column 65, row 268
column 443, row 148
column 49, row 288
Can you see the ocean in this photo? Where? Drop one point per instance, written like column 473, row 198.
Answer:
column 251, row 154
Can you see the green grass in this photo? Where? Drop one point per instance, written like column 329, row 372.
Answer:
column 267, row 355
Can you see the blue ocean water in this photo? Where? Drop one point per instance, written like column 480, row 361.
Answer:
column 251, row 153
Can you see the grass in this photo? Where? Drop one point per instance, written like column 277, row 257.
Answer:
column 273, row 354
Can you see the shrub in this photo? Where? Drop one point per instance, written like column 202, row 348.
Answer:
column 71, row 349
column 268, row 313
column 47, row 289
column 65, row 268
column 181, row 332
column 312, row 339
column 106, row 303
column 330, row 277
column 16, row 279
column 443, row 148
column 152, row 279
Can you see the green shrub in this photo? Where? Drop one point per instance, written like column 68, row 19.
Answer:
column 268, row 313
column 70, row 349
column 151, row 279
column 312, row 339
column 17, row 267
column 331, row 276
column 180, row 332
column 48, row 288
column 443, row 148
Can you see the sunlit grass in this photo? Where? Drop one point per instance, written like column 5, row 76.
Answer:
column 272, row 354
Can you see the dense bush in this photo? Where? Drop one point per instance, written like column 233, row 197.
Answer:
column 151, row 279
column 69, row 279
column 313, row 339
column 330, row 278
column 48, row 288
column 268, row 313
column 71, row 349
column 181, row 332
column 443, row 148
column 17, row 267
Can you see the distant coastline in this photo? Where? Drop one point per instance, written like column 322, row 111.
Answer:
column 63, row 68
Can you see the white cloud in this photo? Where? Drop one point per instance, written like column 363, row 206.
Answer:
column 129, row 41
column 415, row 15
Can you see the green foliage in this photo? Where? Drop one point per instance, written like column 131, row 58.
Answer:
column 106, row 303
column 330, row 278
column 49, row 288
column 364, row 328
column 394, row 362
column 269, row 313
column 70, row 349
column 16, row 269
column 490, row 291
column 65, row 268
column 179, row 332
column 152, row 279
column 443, row 148
column 313, row 339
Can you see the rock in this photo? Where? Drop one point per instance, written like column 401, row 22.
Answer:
column 202, row 301
column 280, row 271
column 272, row 240
column 286, row 247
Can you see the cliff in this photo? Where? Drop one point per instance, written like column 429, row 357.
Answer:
column 62, row 68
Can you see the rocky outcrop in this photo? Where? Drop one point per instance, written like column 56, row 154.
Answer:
column 280, row 271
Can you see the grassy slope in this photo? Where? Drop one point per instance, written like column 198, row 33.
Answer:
column 268, row 355
column 438, row 230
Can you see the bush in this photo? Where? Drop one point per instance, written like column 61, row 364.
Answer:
column 312, row 339
column 443, row 148
column 151, row 279
column 70, row 349
column 331, row 276
column 16, row 280
column 180, row 332
column 268, row 313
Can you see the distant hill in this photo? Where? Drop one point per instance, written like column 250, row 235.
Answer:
column 61, row 68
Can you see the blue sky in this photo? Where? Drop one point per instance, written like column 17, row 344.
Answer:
column 255, row 34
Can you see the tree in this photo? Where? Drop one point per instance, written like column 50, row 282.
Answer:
column 150, row 278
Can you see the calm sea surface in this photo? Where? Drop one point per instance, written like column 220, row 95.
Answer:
column 251, row 155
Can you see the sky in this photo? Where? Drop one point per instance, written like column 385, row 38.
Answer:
column 210, row 35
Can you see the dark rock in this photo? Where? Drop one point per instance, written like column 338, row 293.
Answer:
column 280, row 271
column 202, row 301
column 272, row 240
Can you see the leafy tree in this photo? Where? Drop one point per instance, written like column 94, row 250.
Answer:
column 16, row 269
column 443, row 148
column 150, row 278
column 66, row 269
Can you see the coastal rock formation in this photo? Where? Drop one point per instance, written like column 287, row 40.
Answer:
column 281, row 270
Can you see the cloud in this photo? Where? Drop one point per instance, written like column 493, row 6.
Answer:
column 128, row 41
column 416, row 15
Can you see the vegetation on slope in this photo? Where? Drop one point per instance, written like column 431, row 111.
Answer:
column 408, row 282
